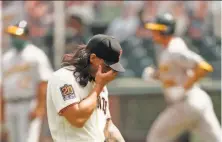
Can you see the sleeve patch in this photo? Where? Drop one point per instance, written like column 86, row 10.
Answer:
column 67, row 92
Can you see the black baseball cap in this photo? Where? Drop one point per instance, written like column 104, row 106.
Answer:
column 107, row 48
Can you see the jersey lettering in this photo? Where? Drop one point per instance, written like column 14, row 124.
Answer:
column 163, row 68
column 102, row 104
column 99, row 103
column 17, row 69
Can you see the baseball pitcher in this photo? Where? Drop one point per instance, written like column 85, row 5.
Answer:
column 77, row 97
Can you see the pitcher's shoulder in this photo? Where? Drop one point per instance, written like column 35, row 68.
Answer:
column 62, row 74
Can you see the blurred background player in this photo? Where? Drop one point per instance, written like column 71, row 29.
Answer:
column 26, row 69
column 179, row 69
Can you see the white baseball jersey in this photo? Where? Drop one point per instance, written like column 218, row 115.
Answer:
column 195, row 112
column 62, row 91
column 22, row 71
column 176, row 62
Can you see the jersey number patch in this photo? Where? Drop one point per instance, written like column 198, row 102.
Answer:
column 67, row 92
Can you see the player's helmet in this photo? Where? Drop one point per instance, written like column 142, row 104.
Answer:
column 19, row 29
column 165, row 23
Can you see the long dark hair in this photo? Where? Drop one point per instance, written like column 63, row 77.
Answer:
column 79, row 58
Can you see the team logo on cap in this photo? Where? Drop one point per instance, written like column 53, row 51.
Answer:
column 19, row 31
column 67, row 92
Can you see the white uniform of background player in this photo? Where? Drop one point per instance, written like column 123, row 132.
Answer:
column 189, row 107
column 22, row 72
column 192, row 110
column 61, row 129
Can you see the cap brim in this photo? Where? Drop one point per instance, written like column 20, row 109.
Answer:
column 13, row 30
column 116, row 67
column 155, row 27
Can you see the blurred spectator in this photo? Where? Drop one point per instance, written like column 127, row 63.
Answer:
column 85, row 9
column 199, row 30
column 40, row 17
column 179, row 12
column 149, row 10
column 93, row 17
column 198, row 21
column 107, row 11
column 164, row 6
column 147, row 13
column 77, row 32
column 12, row 11
column 125, row 25
column 215, row 8
column 138, row 48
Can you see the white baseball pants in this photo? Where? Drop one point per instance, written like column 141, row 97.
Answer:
column 17, row 121
column 195, row 113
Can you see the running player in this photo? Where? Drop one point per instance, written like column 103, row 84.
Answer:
column 179, row 69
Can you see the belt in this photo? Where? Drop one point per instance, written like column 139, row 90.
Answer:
column 169, row 83
column 19, row 100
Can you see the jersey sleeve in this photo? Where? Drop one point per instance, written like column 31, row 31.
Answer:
column 187, row 58
column 62, row 93
column 44, row 68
